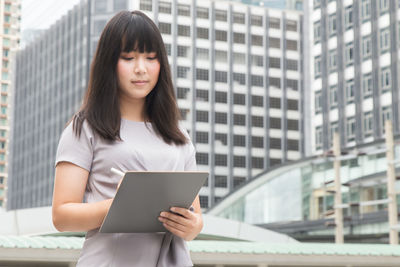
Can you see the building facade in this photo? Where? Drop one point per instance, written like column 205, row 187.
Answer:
column 355, row 66
column 238, row 73
column 10, row 16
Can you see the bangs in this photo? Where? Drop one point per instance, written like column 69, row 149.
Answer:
column 140, row 36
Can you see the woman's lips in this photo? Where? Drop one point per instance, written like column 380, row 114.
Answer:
column 139, row 82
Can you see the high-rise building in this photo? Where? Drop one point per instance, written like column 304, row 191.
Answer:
column 10, row 11
column 281, row 4
column 355, row 56
column 238, row 72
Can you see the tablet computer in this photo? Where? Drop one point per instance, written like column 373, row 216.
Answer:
column 142, row 196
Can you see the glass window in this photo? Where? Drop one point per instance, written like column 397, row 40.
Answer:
column 274, row 23
column 202, row 12
column 385, row 40
column 221, row 56
column 383, row 5
column 350, row 91
column 221, row 15
column 164, row 7
column 317, row 31
column 183, row 30
column 221, row 35
column 351, row 129
column 349, row 54
column 238, row 18
column 202, row 74
column 256, row 20
column 365, row 9
column 183, row 51
column 239, row 38
column 183, row 10
column 386, row 79
column 367, row 84
column 367, row 125
column 317, row 66
column 348, row 17
column 332, row 24
column 291, row 25
column 257, row 40
column 334, row 129
column 202, row 53
column 386, row 115
column 201, row 116
column 332, row 60
column 366, row 47
column 333, row 99
column 145, row 5
column 318, row 101
column 165, row 28
column 318, row 137
column 202, row 33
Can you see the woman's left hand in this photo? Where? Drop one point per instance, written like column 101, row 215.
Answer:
column 182, row 222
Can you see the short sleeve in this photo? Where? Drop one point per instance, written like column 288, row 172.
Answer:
column 190, row 153
column 74, row 149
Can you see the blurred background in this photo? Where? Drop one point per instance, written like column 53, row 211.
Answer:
column 293, row 107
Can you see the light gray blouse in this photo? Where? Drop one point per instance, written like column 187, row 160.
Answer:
column 141, row 149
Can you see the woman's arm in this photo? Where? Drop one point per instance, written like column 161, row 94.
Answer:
column 69, row 213
column 187, row 226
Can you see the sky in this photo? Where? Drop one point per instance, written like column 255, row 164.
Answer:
column 42, row 14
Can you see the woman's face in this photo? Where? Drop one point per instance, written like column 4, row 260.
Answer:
column 137, row 75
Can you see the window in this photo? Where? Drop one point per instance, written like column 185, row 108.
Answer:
column 221, row 118
column 275, row 82
column 221, row 138
column 348, row 17
column 274, row 23
column 332, row 60
column 221, row 15
column 334, row 129
column 365, row 9
column 239, row 78
column 256, row 40
column 317, row 66
column 239, row 119
column 239, row 140
column 274, row 102
column 318, row 101
column 202, row 53
column 202, row 74
column 275, row 143
column 351, row 129
column 183, row 10
column 257, row 101
column 182, row 72
column 367, row 125
column 168, row 48
column 349, row 54
column 164, row 7
column 291, row 64
column 275, row 123
column 385, row 40
column 386, row 115
column 274, row 42
column 367, row 84
column 317, row 31
column 291, row 25
column 221, row 76
column 239, row 161
column 239, row 58
column 256, row 20
column 383, row 5
column 202, row 95
column 145, row 5
column 257, row 141
column 386, row 79
column 238, row 181
column 257, row 121
column 291, row 45
column 221, row 35
column 184, row 30
column 220, row 97
column 350, row 91
column 293, row 125
column 239, row 99
column 275, row 62
column 183, row 51
column 203, row 201
column 292, row 104
column 238, row 18
column 333, row 99
column 220, row 180
column 332, row 24
column 318, row 137
column 257, row 80
column 182, row 92
column 165, row 28
column 202, row 158
column 202, row 33
column 292, row 84
column 257, row 163
column 239, row 38
column 293, row 145
column 257, row 61
column 201, row 116
column 366, row 47
column 202, row 12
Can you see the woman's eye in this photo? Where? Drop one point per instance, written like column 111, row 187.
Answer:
column 151, row 58
column 127, row 58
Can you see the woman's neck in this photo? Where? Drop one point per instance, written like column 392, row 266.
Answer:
column 133, row 111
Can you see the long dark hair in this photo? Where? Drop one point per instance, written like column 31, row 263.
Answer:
column 125, row 32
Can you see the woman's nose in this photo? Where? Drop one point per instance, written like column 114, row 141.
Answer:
column 140, row 66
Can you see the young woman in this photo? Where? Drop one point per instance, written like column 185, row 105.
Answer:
column 129, row 121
